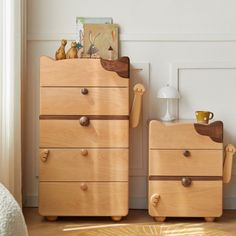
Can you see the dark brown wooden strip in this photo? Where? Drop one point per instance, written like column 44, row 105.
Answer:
column 120, row 66
column 213, row 130
column 152, row 177
column 76, row 117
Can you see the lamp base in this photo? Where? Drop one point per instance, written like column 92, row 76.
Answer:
column 168, row 117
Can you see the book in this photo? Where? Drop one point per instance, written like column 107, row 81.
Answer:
column 101, row 40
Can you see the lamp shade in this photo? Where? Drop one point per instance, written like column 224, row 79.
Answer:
column 168, row 92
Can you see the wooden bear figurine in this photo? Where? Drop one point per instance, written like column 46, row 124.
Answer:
column 73, row 51
column 60, row 53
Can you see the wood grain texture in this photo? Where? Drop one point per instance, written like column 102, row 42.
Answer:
column 213, row 130
column 78, row 72
column 70, row 101
column 228, row 162
column 178, row 135
column 173, row 162
column 96, row 165
column 99, row 133
column 201, row 199
column 120, row 66
column 68, row 199
column 77, row 117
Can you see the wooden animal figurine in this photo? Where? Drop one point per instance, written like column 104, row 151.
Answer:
column 73, row 51
column 60, row 53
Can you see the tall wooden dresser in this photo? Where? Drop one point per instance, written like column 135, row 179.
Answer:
column 84, row 137
column 185, row 169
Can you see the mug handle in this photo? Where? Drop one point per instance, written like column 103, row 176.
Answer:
column 211, row 116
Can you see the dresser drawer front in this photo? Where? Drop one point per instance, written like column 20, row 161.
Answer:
column 200, row 199
column 178, row 136
column 78, row 72
column 197, row 163
column 70, row 133
column 83, row 199
column 86, row 101
column 84, row 165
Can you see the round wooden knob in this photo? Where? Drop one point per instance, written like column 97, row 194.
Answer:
column 187, row 153
column 83, row 187
column 186, row 181
column 84, row 91
column 84, row 121
column 84, row 152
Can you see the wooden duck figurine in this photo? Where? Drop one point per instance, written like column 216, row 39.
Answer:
column 60, row 53
column 73, row 51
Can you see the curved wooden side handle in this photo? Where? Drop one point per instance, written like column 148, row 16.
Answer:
column 155, row 198
column 137, row 105
column 228, row 162
column 44, row 155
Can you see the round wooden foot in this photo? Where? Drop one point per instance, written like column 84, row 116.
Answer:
column 159, row 218
column 116, row 218
column 51, row 218
column 209, row 219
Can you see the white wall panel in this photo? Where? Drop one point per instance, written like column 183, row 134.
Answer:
column 160, row 32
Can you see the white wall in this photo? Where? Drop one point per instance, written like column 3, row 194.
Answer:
column 161, row 32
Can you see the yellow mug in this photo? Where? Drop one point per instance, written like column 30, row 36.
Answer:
column 204, row 116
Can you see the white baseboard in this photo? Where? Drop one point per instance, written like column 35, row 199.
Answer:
column 229, row 203
column 138, row 203
column 30, row 201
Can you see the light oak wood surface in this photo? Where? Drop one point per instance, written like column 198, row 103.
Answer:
column 78, row 72
column 137, row 105
column 178, row 136
column 228, row 162
column 99, row 133
column 201, row 198
column 71, row 101
column 198, row 163
column 72, row 198
column 96, row 165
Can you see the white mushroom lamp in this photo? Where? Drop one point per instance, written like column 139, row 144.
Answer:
column 168, row 93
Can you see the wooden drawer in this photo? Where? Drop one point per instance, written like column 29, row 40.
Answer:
column 201, row 199
column 178, row 136
column 71, row 101
column 99, row 133
column 68, row 199
column 174, row 163
column 79, row 165
column 78, row 72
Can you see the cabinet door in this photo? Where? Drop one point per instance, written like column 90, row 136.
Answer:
column 185, row 162
column 84, row 101
column 83, row 198
column 200, row 199
column 98, row 133
column 84, row 165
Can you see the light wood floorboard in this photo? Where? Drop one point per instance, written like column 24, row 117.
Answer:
column 38, row 226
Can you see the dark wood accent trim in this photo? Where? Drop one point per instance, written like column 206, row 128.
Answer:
column 77, row 117
column 213, row 130
column 121, row 66
column 154, row 177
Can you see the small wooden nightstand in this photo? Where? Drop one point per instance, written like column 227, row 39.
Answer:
column 185, row 169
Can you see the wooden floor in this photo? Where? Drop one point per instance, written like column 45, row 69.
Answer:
column 37, row 226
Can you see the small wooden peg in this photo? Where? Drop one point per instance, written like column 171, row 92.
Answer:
column 116, row 218
column 44, row 155
column 83, row 187
column 84, row 152
column 155, row 198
